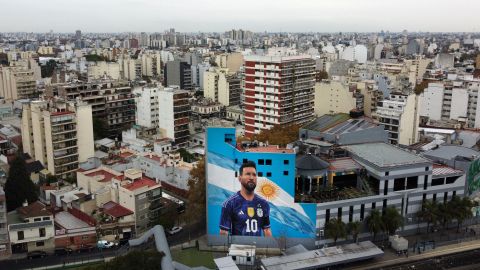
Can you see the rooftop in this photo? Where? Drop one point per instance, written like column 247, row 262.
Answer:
column 115, row 210
column 140, row 183
column 443, row 170
column 68, row 221
column 384, row 155
column 325, row 257
column 449, row 152
column 102, row 175
column 36, row 209
column 265, row 149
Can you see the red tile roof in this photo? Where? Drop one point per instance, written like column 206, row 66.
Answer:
column 115, row 210
column 107, row 176
column 139, row 183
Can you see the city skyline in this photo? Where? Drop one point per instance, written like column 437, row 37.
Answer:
column 212, row 16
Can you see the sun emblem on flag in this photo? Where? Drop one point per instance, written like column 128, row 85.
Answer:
column 267, row 189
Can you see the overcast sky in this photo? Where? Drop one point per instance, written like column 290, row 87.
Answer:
column 254, row 15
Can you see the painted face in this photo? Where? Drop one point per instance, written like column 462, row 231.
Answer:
column 248, row 178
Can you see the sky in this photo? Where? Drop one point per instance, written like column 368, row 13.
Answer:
column 253, row 15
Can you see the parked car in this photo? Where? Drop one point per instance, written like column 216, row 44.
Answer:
column 85, row 248
column 105, row 244
column 175, row 230
column 63, row 251
column 36, row 254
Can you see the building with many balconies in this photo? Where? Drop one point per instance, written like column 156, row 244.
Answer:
column 58, row 134
column 175, row 116
column 278, row 90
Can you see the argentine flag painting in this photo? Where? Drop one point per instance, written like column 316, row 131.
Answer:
column 275, row 184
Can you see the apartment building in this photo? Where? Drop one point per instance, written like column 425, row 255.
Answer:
column 452, row 100
column 147, row 106
column 17, row 83
column 112, row 101
column 30, row 228
column 58, row 134
column 4, row 241
column 175, row 117
column 221, row 87
column 178, row 73
column 399, row 113
column 278, row 90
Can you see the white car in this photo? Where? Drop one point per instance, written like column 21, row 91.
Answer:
column 175, row 230
column 105, row 244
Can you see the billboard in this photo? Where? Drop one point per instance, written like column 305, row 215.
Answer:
column 270, row 210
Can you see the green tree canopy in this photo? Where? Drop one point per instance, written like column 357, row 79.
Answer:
column 135, row 260
column 375, row 223
column 429, row 213
column 19, row 187
column 353, row 228
column 335, row 228
column 392, row 220
column 277, row 135
column 195, row 210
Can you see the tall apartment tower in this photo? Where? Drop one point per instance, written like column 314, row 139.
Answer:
column 220, row 86
column 278, row 90
column 17, row 83
column 175, row 114
column 58, row 134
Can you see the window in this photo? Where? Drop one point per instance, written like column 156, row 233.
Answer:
column 434, row 197
column 327, row 216
column 385, row 189
column 412, row 182
column 399, row 184
column 285, row 172
column 425, row 182
column 269, row 174
column 387, row 173
column 20, row 235
column 42, row 232
column 268, row 162
column 438, row 181
column 40, row 244
column 245, row 160
column 374, row 205
column 37, row 219
column 350, row 214
column 339, row 213
column 362, row 212
column 426, row 169
column 85, row 237
column 451, row 180
column 285, row 161
column 261, row 162
column 46, row 218
column 260, row 174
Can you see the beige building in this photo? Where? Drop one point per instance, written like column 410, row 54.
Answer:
column 231, row 61
column 221, row 87
column 17, row 83
column 102, row 69
column 400, row 115
column 151, row 65
column 333, row 97
column 31, row 228
column 58, row 134
column 45, row 50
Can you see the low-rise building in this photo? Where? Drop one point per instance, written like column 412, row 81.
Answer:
column 31, row 228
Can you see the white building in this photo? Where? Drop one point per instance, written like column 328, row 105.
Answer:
column 174, row 118
column 147, row 106
column 399, row 113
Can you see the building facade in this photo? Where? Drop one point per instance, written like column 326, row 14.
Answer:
column 175, row 117
column 278, row 90
column 58, row 134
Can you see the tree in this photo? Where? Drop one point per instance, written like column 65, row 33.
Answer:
column 277, row 135
column 375, row 223
column 167, row 216
column 429, row 214
column 335, row 228
column 19, row 187
column 461, row 209
column 353, row 228
column 321, row 75
column 419, row 88
column 195, row 210
column 186, row 156
column 445, row 214
column 100, row 128
column 392, row 220
column 134, row 260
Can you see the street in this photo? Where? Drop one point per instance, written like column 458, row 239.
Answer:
column 189, row 232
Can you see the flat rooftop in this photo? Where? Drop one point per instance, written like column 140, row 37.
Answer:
column 69, row 222
column 340, row 123
column 324, row 257
column 384, row 155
